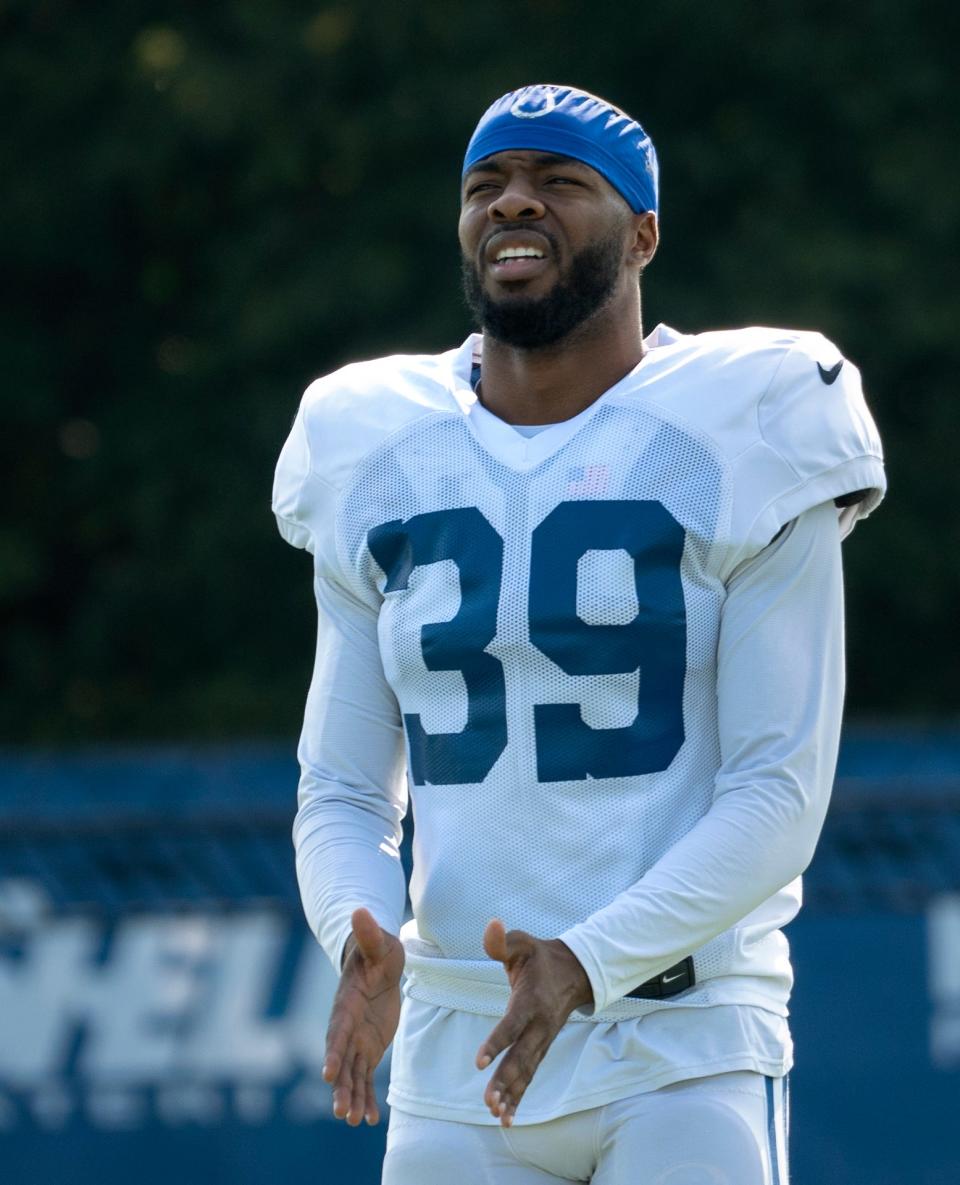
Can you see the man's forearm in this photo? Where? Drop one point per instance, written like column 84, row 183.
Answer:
column 344, row 863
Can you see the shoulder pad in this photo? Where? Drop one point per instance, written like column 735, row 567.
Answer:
column 814, row 417
column 343, row 417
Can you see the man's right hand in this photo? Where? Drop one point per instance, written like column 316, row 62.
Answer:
column 364, row 1017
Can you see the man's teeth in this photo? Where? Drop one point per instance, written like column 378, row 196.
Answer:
column 519, row 253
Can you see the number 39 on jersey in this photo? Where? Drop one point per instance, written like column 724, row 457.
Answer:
column 653, row 644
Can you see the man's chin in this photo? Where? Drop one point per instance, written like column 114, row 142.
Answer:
column 510, row 303
column 507, row 292
column 539, row 312
column 523, row 324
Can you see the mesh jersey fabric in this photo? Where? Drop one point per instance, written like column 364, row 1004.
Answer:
column 554, row 605
column 781, row 649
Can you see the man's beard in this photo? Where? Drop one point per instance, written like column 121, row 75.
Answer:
column 531, row 323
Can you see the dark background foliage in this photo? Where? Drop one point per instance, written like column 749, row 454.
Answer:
column 206, row 205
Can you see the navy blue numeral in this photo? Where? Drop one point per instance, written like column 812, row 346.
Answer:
column 655, row 642
column 467, row 538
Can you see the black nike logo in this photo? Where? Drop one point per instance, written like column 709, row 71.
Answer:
column 830, row 376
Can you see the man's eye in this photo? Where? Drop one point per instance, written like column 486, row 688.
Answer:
column 561, row 181
column 479, row 187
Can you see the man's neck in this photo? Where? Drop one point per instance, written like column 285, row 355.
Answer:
column 556, row 383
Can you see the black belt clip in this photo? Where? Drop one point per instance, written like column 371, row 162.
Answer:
column 668, row 983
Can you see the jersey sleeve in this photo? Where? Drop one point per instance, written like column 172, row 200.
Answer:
column 818, row 443
column 780, row 695
column 352, row 792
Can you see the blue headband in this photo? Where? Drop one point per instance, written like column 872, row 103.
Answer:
column 572, row 123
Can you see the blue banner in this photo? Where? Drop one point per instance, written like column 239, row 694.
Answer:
column 163, row 1007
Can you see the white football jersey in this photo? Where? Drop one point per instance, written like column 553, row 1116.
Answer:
column 543, row 615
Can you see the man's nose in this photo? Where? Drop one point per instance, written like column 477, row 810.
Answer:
column 515, row 202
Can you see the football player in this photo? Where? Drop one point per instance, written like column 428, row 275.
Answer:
column 580, row 598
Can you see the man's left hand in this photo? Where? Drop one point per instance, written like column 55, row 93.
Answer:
column 547, row 981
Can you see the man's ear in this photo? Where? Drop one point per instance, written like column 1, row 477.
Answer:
column 646, row 236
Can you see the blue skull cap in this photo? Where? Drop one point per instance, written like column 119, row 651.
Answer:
column 572, row 123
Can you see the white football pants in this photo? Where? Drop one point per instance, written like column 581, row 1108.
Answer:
column 730, row 1129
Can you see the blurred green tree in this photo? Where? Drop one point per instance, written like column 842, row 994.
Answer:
column 207, row 206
